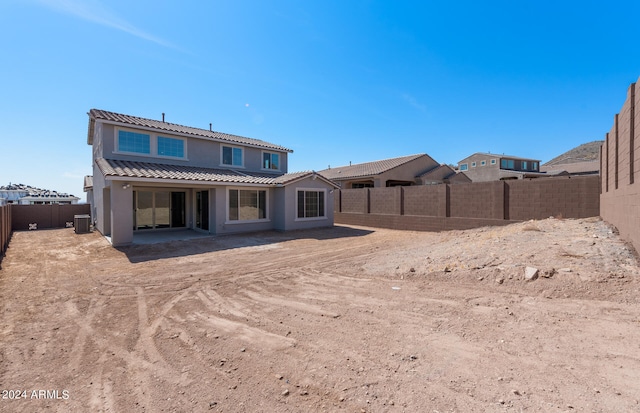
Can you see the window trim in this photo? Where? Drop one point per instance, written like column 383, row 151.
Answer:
column 247, row 221
column 279, row 168
column 473, row 164
column 306, row 219
column 464, row 166
column 222, row 146
column 494, row 161
column 483, row 163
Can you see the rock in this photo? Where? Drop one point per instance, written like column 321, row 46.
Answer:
column 565, row 270
column 279, row 376
column 530, row 273
column 549, row 273
column 285, row 392
column 516, row 392
column 499, row 280
column 412, row 269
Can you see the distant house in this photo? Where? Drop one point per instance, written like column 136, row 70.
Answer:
column 442, row 174
column 27, row 195
column 481, row 167
column 417, row 169
column 582, row 160
column 151, row 175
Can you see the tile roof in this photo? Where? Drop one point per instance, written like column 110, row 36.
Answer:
column 88, row 182
column 175, row 128
column 149, row 170
column 497, row 155
column 367, row 168
column 573, row 168
column 439, row 172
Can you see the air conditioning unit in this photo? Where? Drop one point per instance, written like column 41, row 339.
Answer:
column 82, row 224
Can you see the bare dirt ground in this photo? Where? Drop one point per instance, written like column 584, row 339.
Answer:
column 343, row 319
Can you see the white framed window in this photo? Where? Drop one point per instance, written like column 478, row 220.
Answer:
column 473, row 164
column 483, row 163
column 493, row 162
column 246, row 205
column 271, row 161
column 311, row 204
column 232, row 156
column 464, row 166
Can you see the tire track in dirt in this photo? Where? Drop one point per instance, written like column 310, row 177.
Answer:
column 84, row 323
column 255, row 336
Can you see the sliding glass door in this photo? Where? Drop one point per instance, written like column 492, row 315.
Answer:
column 158, row 209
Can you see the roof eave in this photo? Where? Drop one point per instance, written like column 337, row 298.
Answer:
column 272, row 147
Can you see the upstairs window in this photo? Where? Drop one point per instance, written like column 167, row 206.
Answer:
column 493, row 162
column 507, row 164
column 170, row 147
column 232, row 156
column 534, row 166
column 525, row 165
column 464, row 166
column 134, row 142
column 473, row 164
column 270, row 160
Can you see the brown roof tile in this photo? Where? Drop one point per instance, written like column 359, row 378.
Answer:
column 367, row 168
column 172, row 127
column 133, row 169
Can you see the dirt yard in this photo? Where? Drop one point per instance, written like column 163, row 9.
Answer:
column 344, row 319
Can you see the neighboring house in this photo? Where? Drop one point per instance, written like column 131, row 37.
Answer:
column 582, row 160
column 443, row 174
column 28, row 195
column 481, row 167
column 151, row 175
column 403, row 171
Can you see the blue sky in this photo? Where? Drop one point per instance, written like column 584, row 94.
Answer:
column 336, row 81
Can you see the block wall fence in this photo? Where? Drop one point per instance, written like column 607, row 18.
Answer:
column 470, row 205
column 620, row 171
column 5, row 229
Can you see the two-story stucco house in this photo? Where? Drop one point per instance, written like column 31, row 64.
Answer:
column 151, row 175
column 481, row 167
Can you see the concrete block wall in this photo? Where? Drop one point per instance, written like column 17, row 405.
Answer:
column 385, row 200
column 620, row 170
column 353, row 201
column 5, row 229
column 463, row 206
column 426, row 200
column 563, row 197
column 477, row 200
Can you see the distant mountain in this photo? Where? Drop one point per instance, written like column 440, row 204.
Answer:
column 587, row 152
